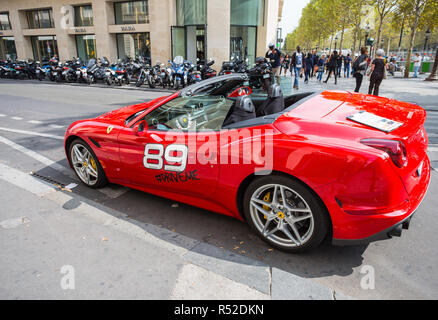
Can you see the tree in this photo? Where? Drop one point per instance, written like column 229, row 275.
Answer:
column 412, row 11
column 383, row 8
column 430, row 21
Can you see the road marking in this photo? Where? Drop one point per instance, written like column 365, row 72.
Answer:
column 50, row 163
column 111, row 191
column 16, row 118
column 35, row 121
column 432, row 134
column 33, row 133
column 2, row 115
column 23, row 180
column 432, row 149
column 56, row 126
column 198, row 283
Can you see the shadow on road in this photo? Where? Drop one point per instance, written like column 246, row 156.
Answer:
column 167, row 220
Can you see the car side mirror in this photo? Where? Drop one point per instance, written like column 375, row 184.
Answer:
column 140, row 127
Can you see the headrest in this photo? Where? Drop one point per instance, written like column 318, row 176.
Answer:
column 275, row 91
column 244, row 103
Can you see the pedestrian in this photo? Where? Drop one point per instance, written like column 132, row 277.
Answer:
column 417, row 64
column 378, row 72
column 360, row 67
column 347, row 62
column 315, row 62
column 286, row 63
column 339, row 66
column 274, row 55
column 332, row 66
column 309, row 67
column 296, row 65
column 321, row 66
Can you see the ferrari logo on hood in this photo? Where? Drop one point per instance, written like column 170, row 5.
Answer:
column 109, row 129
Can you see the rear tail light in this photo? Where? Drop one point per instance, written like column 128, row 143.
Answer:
column 395, row 149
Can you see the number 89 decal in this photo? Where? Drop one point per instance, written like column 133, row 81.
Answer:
column 178, row 162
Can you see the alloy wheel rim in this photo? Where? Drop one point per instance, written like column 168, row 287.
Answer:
column 84, row 164
column 281, row 215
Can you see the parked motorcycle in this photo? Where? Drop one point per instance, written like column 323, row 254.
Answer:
column 179, row 72
column 206, row 70
column 261, row 76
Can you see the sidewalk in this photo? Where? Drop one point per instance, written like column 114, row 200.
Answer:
column 115, row 257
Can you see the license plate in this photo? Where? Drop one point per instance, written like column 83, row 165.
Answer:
column 55, row 73
column 266, row 76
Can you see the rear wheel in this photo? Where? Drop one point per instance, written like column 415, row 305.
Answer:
column 86, row 164
column 285, row 214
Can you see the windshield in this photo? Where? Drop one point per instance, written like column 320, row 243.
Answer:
column 198, row 113
column 91, row 63
column 178, row 60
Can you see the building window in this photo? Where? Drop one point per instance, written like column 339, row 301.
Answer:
column 243, row 43
column 7, row 48
column 5, row 24
column 132, row 12
column 133, row 45
column 83, row 16
column 38, row 19
column 191, row 12
column 86, row 46
column 44, row 47
column 247, row 12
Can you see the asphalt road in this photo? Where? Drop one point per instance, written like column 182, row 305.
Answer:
column 404, row 267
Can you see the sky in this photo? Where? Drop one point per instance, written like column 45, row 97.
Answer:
column 291, row 15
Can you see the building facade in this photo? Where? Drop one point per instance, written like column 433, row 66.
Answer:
column 157, row 29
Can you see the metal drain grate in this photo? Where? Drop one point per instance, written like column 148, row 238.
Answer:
column 49, row 180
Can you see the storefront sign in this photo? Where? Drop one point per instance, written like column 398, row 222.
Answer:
column 78, row 30
column 128, row 28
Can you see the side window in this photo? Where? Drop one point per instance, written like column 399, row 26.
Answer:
column 193, row 113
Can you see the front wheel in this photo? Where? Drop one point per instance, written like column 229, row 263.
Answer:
column 86, row 165
column 151, row 82
column 285, row 214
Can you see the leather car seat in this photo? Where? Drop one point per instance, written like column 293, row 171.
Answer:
column 273, row 104
column 242, row 109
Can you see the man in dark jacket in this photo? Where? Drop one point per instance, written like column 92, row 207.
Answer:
column 274, row 55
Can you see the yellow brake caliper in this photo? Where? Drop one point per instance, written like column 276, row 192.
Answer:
column 266, row 198
column 93, row 164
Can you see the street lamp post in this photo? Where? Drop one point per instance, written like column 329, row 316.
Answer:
column 426, row 39
column 336, row 42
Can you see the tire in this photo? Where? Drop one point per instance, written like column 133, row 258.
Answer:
column 312, row 230
column 151, row 82
column 90, row 162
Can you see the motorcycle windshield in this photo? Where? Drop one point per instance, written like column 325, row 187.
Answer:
column 178, row 60
column 91, row 63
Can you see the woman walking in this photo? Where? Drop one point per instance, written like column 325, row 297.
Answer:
column 332, row 64
column 285, row 64
column 309, row 67
column 360, row 67
column 377, row 72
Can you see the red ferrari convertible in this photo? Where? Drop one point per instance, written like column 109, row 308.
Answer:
column 296, row 168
